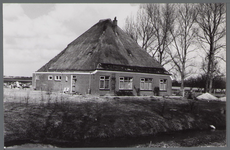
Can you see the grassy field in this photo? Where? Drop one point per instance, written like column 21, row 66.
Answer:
column 56, row 118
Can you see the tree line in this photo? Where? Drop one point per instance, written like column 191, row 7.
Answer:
column 176, row 35
column 219, row 82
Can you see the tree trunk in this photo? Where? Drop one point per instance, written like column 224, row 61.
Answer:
column 182, row 80
column 211, row 62
column 182, row 87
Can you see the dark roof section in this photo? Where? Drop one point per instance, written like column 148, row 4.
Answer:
column 103, row 43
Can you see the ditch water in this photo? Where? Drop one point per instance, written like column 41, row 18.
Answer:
column 125, row 142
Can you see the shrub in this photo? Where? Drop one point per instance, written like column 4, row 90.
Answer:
column 156, row 91
column 124, row 93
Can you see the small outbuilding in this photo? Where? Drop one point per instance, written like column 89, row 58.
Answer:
column 103, row 60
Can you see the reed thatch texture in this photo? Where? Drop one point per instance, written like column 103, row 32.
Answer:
column 104, row 42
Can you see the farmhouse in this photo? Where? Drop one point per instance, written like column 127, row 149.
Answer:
column 103, row 60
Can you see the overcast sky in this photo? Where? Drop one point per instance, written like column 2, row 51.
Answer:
column 35, row 33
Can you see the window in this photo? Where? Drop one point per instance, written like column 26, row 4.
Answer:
column 58, row 78
column 126, row 83
column 37, row 77
column 146, row 84
column 163, row 83
column 66, row 78
column 104, row 82
column 50, row 77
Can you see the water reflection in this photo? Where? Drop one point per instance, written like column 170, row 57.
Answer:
column 128, row 142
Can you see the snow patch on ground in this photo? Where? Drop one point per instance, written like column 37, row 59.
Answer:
column 207, row 96
column 222, row 99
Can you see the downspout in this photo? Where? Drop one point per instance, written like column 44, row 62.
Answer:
column 34, row 80
column 89, row 89
column 71, row 83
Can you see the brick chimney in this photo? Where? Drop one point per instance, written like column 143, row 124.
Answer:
column 115, row 21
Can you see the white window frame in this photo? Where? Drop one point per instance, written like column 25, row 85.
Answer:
column 147, row 84
column 37, row 77
column 163, row 84
column 103, row 80
column 122, row 84
column 50, row 77
column 57, row 78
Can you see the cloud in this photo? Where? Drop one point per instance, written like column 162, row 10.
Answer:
column 10, row 10
column 31, row 39
column 34, row 10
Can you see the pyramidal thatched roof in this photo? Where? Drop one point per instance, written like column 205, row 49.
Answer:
column 104, row 43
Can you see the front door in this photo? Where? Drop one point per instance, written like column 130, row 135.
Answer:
column 74, row 82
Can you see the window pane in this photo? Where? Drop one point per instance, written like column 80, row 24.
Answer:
column 102, row 84
column 129, row 85
column 146, row 86
column 142, row 86
column 37, row 77
column 161, row 87
column 106, row 84
column 122, row 86
column 150, row 86
column 126, row 85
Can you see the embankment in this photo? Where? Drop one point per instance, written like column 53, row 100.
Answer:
column 66, row 121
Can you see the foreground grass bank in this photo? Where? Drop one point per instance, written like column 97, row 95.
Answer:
column 204, row 139
column 68, row 121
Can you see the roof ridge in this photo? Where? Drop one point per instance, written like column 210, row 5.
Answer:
column 108, row 19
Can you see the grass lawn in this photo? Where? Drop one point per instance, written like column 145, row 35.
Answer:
column 38, row 116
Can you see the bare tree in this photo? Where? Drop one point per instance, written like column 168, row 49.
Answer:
column 183, row 37
column 152, row 26
column 162, row 18
column 144, row 28
column 130, row 28
column 140, row 28
column 211, row 19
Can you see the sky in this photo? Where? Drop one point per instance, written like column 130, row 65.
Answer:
column 35, row 33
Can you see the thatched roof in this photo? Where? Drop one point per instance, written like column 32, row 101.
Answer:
column 103, row 43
